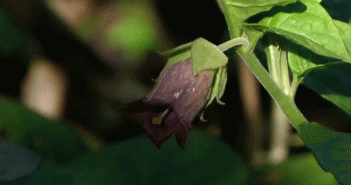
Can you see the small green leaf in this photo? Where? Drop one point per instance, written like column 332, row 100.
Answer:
column 332, row 149
column 312, row 28
column 206, row 55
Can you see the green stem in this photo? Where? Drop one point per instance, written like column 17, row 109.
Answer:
column 286, row 104
column 273, row 57
column 234, row 42
column 284, row 72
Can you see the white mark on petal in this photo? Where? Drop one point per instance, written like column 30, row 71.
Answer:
column 176, row 94
column 193, row 89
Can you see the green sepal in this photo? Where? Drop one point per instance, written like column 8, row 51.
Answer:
column 177, row 54
column 176, row 50
column 179, row 57
column 217, row 90
column 206, row 55
column 222, row 75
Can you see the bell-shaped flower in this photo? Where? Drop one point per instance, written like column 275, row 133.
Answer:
column 194, row 75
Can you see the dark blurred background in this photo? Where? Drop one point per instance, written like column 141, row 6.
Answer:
column 85, row 60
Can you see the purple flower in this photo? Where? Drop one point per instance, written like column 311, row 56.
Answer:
column 176, row 99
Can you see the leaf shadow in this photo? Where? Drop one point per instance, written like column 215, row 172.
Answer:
column 297, row 7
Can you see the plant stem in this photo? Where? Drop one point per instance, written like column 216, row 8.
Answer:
column 286, row 104
column 284, row 72
column 272, row 58
column 233, row 42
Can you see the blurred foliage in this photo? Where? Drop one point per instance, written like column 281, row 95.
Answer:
column 131, row 33
column 54, row 141
column 298, row 169
column 16, row 161
column 137, row 161
column 13, row 40
column 16, row 48
column 131, row 28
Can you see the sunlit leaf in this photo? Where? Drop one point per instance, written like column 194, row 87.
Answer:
column 312, row 28
column 237, row 11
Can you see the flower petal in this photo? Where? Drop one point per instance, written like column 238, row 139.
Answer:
column 160, row 133
column 193, row 99
column 157, row 133
column 141, row 105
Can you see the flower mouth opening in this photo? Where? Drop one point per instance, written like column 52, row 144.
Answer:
column 159, row 119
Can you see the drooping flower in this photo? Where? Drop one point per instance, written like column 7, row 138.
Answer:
column 178, row 96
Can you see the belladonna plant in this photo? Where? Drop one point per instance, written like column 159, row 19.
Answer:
column 193, row 77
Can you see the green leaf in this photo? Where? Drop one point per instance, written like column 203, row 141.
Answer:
column 206, row 55
column 332, row 149
column 16, row 161
column 48, row 173
column 254, row 36
column 333, row 84
column 53, row 140
column 237, row 11
column 303, row 61
column 345, row 32
column 136, row 161
column 312, row 28
column 205, row 161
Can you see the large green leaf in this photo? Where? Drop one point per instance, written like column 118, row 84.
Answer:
column 54, row 141
column 332, row 149
column 237, row 11
column 345, row 32
column 303, row 61
column 312, row 28
column 138, row 161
